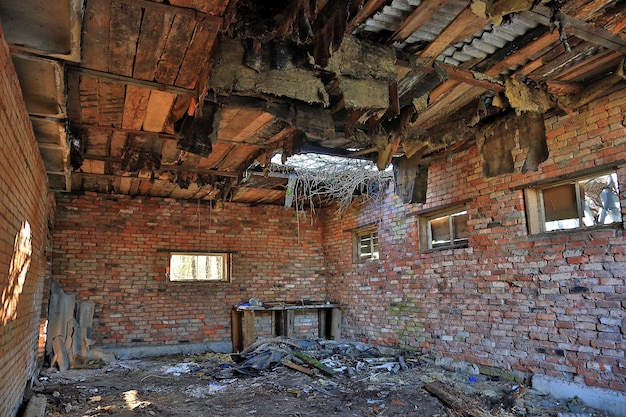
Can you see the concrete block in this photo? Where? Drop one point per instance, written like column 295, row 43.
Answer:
column 602, row 399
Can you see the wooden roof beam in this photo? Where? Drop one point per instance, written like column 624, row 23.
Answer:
column 578, row 28
column 133, row 81
column 458, row 74
column 175, row 168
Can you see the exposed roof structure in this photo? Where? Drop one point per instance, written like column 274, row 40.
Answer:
column 179, row 99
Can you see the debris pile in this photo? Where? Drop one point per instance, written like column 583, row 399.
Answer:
column 326, row 357
column 280, row 376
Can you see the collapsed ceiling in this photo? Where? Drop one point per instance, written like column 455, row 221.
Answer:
column 192, row 99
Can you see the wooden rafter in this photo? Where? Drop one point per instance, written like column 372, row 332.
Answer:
column 133, row 81
column 579, row 28
column 462, row 26
column 422, row 14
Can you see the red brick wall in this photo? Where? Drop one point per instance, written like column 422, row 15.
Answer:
column 509, row 300
column 23, row 200
column 113, row 250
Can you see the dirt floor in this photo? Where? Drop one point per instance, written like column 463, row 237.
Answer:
column 348, row 382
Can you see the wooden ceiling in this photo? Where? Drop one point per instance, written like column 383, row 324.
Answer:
column 192, row 98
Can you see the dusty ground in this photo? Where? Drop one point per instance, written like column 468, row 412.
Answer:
column 212, row 385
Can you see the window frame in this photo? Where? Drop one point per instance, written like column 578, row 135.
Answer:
column 225, row 270
column 535, row 205
column 357, row 237
column 425, row 228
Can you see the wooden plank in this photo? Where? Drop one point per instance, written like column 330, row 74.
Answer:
column 135, row 106
column 530, row 51
column 583, row 9
column 242, row 124
column 89, row 100
column 96, row 141
column 323, row 330
column 198, row 52
column 173, row 54
column 125, row 184
column 159, row 105
column 73, row 98
column 364, row 13
column 110, row 103
column 465, row 24
column 236, row 331
column 124, row 33
column 288, row 323
column 456, row 400
column 117, row 143
column 422, row 14
column 214, row 7
column 95, row 36
column 314, row 362
column 249, row 330
column 456, row 98
column 601, row 63
column 90, row 166
column 132, row 81
column 554, row 65
column 155, row 28
column 299, row 368
column 578, row 28
column 335, row 324
column 134, row 186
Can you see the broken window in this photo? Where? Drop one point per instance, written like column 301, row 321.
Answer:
column 444, row 229
column 366, row 244
column 575, row 204
column 199, row 267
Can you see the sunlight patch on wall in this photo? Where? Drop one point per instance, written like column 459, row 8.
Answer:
column 20, row 262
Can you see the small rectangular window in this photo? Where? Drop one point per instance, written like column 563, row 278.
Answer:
column 366, row 244
column 576, row 204
column 447, row 231
column 187, row 267
column 444, row 229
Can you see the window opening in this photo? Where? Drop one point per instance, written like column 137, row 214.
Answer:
column 448, row 231
column 199, row 267
column 577, row 204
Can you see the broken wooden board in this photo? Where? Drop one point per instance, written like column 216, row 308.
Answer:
column 411, row 179
column 314, row 362
column 155, row 29
column 238, row 124
column 95, row 48
column 158, row 110
column 297, row 367
column 180, row 34
column 135, row 106
column 124, row 32
column 456, row 400
column 199, row 50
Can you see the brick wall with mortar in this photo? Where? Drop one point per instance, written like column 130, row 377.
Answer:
column 552, row 303
column 23, row 210
column 113, row 250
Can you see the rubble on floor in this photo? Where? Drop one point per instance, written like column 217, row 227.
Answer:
column 282, row 377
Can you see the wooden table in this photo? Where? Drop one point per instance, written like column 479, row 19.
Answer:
column 243, row 329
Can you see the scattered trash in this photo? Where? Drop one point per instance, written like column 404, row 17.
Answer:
column 181, row 368
column 280, row 376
